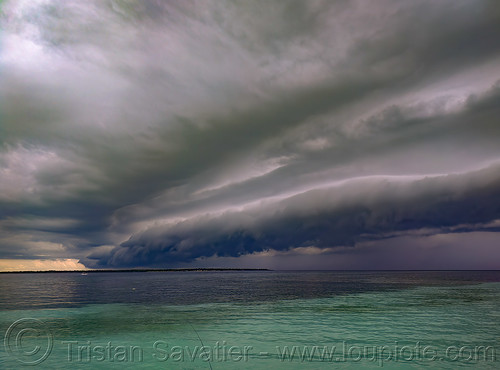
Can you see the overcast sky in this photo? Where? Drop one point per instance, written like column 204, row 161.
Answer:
column 250, row 133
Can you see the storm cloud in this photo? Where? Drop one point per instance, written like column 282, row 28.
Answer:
column 164, row 133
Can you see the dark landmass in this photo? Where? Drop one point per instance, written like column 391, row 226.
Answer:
column 132, row 270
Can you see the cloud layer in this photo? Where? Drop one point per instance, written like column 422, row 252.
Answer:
column 159, row 133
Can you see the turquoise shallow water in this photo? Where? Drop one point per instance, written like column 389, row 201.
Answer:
column 392, row 322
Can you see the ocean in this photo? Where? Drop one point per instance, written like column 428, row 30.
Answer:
column 250, row 320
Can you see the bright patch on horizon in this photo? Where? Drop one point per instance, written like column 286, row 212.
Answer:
column 41, row 265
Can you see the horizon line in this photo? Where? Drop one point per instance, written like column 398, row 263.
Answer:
column 208, row 269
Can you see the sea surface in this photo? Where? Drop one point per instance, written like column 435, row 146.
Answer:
column 250, row 320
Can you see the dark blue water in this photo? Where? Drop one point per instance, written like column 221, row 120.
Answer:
column 190, row 320
column 53, row 290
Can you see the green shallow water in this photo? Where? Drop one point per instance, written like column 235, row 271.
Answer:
column 430, row 326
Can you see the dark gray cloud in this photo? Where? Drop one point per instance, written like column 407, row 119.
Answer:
column 158, row 132
column 341, row 215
